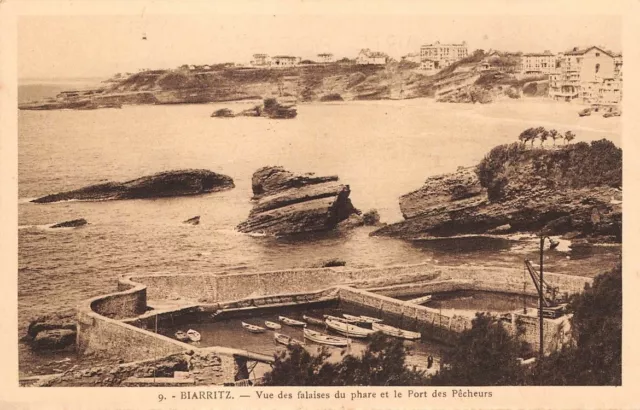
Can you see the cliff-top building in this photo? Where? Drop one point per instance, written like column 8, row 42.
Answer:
column 285, row 61
column 590, row 75
column 367, row 56
column 443, row 54
column 539, row 63
column 325, row 58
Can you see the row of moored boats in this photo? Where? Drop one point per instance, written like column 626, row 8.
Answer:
column 348, row 325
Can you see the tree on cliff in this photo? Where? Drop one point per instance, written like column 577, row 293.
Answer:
column 554, row 136
column 569, row 136
column 485, row 355
column 595, row 356
column 544, row 135
column 382, row 363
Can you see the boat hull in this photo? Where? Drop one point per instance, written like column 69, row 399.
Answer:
column 253, row 328
column 321, row 338
column 313, row 320
column 395, row 332
column 348, row 330
column 286, row 340
column 291, row 322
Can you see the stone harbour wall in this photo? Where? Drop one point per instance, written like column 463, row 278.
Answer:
column 445, row 327
column 211, row 288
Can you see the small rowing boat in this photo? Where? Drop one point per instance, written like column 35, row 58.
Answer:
column 291, row 322
column 193, row 335
column 253, row 328
column 182, row 336
column 313, row 320
column 337, row 318
column 286, row 340
column 354, row 319
column 325, row 339
column 370, row 319
column 272, row 325
column 348, row 330
column 396, row 332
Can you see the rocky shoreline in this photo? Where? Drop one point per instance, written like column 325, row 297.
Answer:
column 574, row 191
column 464, row 81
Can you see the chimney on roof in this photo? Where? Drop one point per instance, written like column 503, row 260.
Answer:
column 575, row 49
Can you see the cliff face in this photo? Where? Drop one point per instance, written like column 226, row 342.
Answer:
column 287, row 203
column 574, row 191
column 315, row 82
column 163, row 184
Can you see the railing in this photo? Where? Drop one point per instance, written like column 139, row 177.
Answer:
column 248, row 382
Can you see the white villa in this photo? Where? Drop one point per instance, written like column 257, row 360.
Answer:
column 367, row 56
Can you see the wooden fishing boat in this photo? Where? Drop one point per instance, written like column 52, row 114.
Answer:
column 272, row 325
column 325, row 339
column 313, row 320
column 348, row 330
column 193, row 335
column 286, row 340
column 182, row 336
column 337, row 318
column 291, row 322
column 354, row 319
column 253, row 328
column 370, row 319
column 396, row 332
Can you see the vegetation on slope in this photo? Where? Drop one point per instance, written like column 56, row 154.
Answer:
column 573, row 166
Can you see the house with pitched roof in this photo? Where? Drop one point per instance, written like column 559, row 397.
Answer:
column 367, row 56
column 582, row 73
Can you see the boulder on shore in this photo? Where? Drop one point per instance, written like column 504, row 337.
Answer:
column 65, row 320
column 70, row 224
column 573, row 190
column 54, row 339
column 288, row 204
column 162, row 184
column 52, row 332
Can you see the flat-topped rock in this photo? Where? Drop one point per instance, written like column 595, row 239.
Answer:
column 288, row 204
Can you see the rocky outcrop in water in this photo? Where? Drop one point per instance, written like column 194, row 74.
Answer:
column 52, row 332
column 288, row 204
column 70, row 224
column 163, row 184
column 271, row 108
column 573, row 191
column 193, row 221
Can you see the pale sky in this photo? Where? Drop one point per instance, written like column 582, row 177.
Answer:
column 99, row 46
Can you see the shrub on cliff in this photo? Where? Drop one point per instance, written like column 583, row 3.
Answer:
column 490, row 170
column 595, row 357
column 574, row 166
column 485, row 355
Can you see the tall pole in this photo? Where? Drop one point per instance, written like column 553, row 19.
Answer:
column 540, row 298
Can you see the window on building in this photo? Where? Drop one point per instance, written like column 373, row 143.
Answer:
column 597, row 54
column 597, row 68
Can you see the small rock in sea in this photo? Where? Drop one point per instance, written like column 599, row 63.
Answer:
column 70, row 224
column 223, row 113
column 193, row 221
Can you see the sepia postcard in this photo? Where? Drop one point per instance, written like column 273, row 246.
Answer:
column 318, row 204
